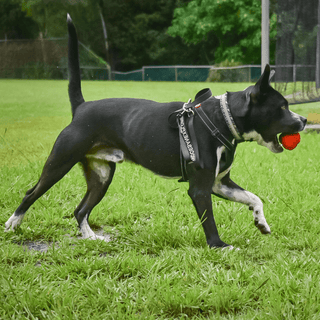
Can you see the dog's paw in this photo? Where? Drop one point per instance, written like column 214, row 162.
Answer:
column 230, row 248
column 13, row 222
column 97, row 237
column 262, row 226
column 219, row 244
column 88, row 233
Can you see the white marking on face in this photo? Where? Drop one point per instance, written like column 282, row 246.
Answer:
column 255, row 136
column 218, row 97
column 13, row 222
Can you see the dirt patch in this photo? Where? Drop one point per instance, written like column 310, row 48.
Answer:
column 43, row 246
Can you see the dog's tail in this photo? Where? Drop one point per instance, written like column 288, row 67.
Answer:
column 75, row 94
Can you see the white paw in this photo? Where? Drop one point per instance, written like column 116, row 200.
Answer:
column 94, row 237
column 230, row 248
column 87, row 233
column 13, row 222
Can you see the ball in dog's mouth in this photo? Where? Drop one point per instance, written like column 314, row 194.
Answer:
column 289, row 141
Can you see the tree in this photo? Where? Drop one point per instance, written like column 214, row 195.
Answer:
column 234, row 26
column 14, row 24
column 136, row 29
column 137, row 33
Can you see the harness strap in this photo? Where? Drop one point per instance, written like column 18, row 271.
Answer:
column 213, row 129
column 189, row 150
column 201, row 96
column 183, row 119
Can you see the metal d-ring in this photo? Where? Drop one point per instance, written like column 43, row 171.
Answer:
column 187, row 109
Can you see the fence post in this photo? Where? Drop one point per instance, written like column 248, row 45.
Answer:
column 5, row 52
column 265, row 51
column 143, row 73
column 44, row 55
column 175, row 73
column 318, row 51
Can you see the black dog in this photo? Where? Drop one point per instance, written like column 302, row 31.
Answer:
column 105, row 132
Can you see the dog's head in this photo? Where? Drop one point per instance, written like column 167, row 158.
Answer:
column 266, row 114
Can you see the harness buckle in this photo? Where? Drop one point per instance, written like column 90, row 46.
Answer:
column 187, row 109
column 215, row 132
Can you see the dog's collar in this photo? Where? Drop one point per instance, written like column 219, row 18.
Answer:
column 228, row 117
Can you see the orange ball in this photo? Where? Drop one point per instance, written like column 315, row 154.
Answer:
column 289, row 141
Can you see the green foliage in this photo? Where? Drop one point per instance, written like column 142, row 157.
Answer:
column 225, row 75
column 166, row 32
column 236, row 26
column 136, row 29
column 14, row 23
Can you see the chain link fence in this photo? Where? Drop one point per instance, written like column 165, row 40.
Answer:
column 47, row 59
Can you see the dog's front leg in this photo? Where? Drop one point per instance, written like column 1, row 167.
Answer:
column 200, row 192
column 226, row 188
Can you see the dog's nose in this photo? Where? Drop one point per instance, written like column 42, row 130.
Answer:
column 304, row 120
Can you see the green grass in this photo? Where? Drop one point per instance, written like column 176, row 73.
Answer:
column 158, row 265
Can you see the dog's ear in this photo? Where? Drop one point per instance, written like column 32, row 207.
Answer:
column 272, row 72
column 263, row 82
column 252, row 94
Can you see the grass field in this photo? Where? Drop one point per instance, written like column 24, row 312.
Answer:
column 158, row 265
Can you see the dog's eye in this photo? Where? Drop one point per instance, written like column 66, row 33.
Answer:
column 283, row 108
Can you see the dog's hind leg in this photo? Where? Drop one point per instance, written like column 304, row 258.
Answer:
column 227, row 189
column 200, row 192
column 64, row 155
column 50, row 175
column 98, row 174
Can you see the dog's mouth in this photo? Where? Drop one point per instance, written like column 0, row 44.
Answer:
column 275, row 145
column 270, row 142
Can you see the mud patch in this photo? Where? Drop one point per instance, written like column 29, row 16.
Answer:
column 42, row 246
column 38, row 245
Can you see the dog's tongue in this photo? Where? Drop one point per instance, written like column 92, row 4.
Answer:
column 289, row 141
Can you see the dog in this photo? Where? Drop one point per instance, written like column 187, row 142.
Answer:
column 106, row 132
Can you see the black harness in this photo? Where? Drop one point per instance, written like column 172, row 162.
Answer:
column 183, row 119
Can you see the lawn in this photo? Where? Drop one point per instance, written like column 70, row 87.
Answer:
column 157, row 265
